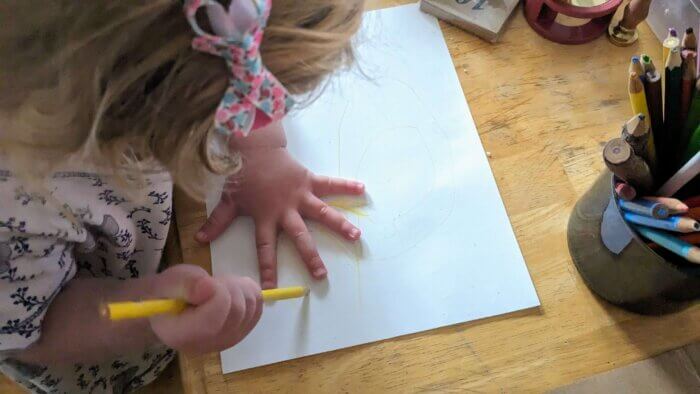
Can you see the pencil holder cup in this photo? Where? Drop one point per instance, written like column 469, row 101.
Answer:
column 618, row 265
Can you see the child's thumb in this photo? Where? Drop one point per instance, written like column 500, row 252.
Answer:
column 201, row 290
column 185, row 281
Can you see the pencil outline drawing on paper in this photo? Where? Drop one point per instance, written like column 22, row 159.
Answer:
column 374, row 214
column 427, row 257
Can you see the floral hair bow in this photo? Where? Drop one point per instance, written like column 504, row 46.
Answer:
column 254, row 97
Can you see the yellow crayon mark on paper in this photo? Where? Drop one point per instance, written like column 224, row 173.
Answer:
column 358, row 207
column 354, row 207
column 348, row 206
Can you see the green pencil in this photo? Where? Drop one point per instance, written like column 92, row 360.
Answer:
column 692, row 124
column 694, row 144
column 647, row 63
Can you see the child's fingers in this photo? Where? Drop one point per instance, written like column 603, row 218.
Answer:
column 179, row 281
column 210, row 310
column 239, row 312
column 314, row 208
column 294, row 225
column 255, row 293
column 220, row 219
column 253, row 303
column 266, row 244
column 326, row 186
column 194, row 323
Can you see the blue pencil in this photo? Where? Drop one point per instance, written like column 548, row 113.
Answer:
column 637, row 67
column 645, row 207
column 673, row 244
column 678, row 224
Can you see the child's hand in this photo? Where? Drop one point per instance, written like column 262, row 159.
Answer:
column 277, row 192
column 224, row 309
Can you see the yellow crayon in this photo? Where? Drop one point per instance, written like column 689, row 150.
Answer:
column 284, row 293
column 638, row 100
column 147, row 308
column 135, row 310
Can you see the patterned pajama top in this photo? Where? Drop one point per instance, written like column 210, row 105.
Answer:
column 82, row 225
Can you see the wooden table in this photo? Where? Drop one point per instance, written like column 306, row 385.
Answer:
column 543, row 110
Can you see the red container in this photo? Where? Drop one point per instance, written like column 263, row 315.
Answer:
column 542, row 14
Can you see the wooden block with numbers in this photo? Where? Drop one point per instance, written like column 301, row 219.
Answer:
column 484, row 18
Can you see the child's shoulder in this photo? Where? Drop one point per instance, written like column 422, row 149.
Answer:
column 61, row 204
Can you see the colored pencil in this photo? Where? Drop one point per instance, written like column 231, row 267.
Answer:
column 625, row 191
column 693, row 213
column 680, row 178
column 135, row 310
column 697, row 50
column 692, row 124
column 647, row 64
column 639, row 105
column 636, row 67
column 672, row 103
column 621, row 160
column 694, row 144
column 675, row 205
column 636, row 133
column 147, row 308
column 675, row 223
column 687, row 87
column 284, row 293
column 673, row 244
column 638, row 99
column 655, row 105
column 689, row 40
column 671, row 41
column 691, row 238
column 635, row 127
column 646, row 208
column 692, row 202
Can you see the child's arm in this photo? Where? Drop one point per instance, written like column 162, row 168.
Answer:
column 224, row 311
column 277, row 191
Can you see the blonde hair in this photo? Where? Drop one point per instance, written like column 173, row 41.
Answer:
column 117, row 83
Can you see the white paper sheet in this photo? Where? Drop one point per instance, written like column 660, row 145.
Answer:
column 438, row 248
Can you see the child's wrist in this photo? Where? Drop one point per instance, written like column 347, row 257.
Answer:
column 143, row 288
column 268, row 137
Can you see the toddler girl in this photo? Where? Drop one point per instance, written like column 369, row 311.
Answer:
column 103, row 106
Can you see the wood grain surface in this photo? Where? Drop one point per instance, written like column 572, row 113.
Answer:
column 543, row 111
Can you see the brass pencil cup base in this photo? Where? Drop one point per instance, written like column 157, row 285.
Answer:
column 638, row 279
